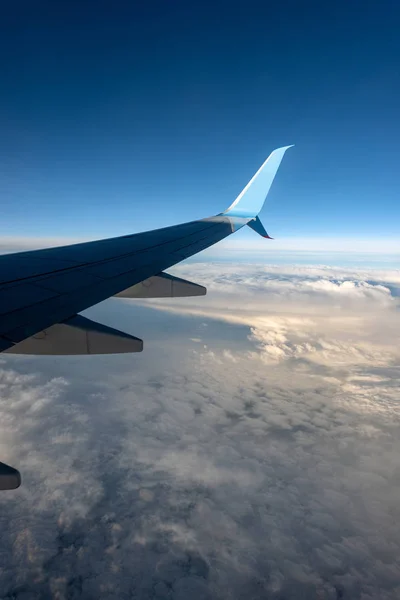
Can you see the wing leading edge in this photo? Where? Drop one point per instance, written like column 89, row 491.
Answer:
column 42, row 291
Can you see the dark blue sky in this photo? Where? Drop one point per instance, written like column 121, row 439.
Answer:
column 116, row 117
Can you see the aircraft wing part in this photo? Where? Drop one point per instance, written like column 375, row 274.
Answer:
column 251, row 199
column 78, row 335
column 42, row 290
column 10, row 478
column 163, row 285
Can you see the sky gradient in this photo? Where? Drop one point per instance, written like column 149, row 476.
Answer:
column 136, row 116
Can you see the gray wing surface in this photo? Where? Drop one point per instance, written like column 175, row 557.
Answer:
column 44, row 287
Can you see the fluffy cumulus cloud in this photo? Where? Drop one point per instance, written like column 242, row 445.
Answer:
column 251, row 451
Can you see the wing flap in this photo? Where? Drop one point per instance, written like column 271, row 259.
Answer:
column 10, row 478
column 163, row 285
column 78, row 335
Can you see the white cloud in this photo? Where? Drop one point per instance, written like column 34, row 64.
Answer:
column 256, row 456
column 328, row 315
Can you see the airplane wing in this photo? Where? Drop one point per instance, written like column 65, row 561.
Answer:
column 42, row 292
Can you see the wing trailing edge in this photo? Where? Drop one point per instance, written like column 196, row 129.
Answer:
column 78, row 335
column 163, row 285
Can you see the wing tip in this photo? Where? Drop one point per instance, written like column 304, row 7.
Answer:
column 252, row 198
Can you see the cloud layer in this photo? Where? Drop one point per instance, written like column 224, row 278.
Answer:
column 250, row 451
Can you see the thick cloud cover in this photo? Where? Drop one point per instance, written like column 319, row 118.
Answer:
column 252, row 450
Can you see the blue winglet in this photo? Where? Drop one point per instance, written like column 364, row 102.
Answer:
column 258, row 227
column 251, row 200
